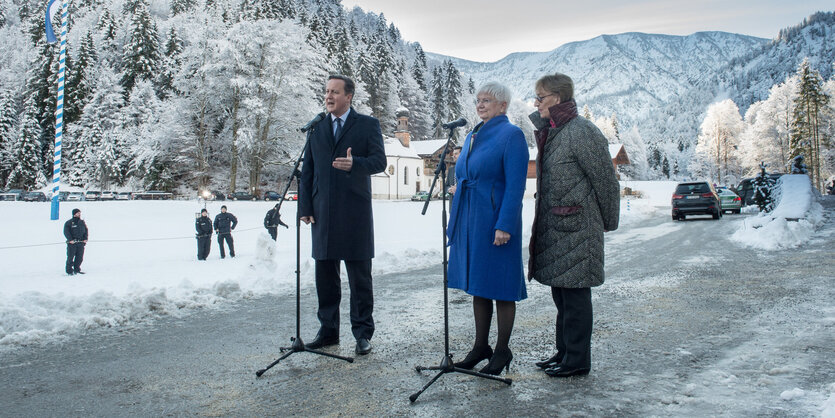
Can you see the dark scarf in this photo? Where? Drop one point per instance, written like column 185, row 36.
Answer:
column 560, row 115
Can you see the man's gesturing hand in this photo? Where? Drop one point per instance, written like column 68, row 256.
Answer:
column 345, row 163
column 307, row 220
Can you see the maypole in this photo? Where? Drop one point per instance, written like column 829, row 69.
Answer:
column 59, row 109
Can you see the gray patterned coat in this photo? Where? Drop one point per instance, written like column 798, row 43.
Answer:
column 577, row 199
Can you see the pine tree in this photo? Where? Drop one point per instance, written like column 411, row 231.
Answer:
column 438, row 101
column 2, row 17
column 763, row 186
column 27, row 167
column 78, row 85
column 141, row 57
column 798, row 167
column 453, row 91
column 419, row 68
column 471, row 86
column 8, row 118
column 806, row 138
column 587, row 112
column 665, row 167
column 181, row 6
column 169, row 64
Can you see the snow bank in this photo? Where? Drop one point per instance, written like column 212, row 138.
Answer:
column 828, row 407
column 794, row 219
column 141, row 260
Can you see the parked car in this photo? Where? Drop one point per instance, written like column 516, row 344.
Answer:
column 123, row 196
column 212, row 195
column 92, row 195
column 745, row 189
column 107, row 195
column 291, row 195
column 420, row 196
column 729, row 201
column 242, row 196
column 271, row 195
column 75, row 197
column 695, row 198
column 34, row 197
column 11, row 194
column 153, row 195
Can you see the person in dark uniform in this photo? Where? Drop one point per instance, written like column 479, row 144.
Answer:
column 75, row 230
column 345, row 150
column 272, row 221
column 204, row 234
column 225, row 222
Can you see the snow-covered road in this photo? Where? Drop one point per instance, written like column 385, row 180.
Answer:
column 687, row 324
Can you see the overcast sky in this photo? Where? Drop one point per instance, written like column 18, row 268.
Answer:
column 488, row 30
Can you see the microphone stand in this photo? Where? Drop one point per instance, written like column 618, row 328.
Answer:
column 446, row 366
column 297, row 343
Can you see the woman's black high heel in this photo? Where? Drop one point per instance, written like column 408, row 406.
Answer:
column 500, row 360
column 551, row 362
column 474, row 357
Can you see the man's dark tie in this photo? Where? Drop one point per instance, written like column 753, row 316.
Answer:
column 338, row 130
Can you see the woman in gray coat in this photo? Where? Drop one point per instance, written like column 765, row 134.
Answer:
column 577, row 201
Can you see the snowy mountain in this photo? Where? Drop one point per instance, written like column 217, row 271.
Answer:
column 629, row 74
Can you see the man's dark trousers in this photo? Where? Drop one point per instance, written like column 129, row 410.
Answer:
column 204, row 245
column 228, row 237
column 75, row 255
column 330, row 293
column 273, row 230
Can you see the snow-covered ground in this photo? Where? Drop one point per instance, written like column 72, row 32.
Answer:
column 141, row 258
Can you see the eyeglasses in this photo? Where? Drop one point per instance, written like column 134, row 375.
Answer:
column 483, row 101
column 541, row 98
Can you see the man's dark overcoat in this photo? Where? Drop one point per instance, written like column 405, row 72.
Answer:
column 340, row 201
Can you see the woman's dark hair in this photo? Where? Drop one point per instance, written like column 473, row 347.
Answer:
column 559, row 84
column 349, row 84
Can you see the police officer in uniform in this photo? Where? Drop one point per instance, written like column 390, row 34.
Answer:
column 225, row 222
column 204, row 234
column 272, row 221
column 75, row 230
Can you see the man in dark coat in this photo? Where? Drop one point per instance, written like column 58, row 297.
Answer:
column 225, row 222
column 75, row 230
column 203, row 225
column 272, row 221
column 345, row 149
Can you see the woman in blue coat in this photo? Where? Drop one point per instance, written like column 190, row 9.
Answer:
column 485, row 225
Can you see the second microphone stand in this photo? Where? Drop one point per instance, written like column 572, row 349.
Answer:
column 298, row 344
column 446, row 366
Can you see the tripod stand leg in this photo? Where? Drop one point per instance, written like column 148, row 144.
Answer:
column 260, row 372
column 415, row 395
column 484, row 375
column 322, row 353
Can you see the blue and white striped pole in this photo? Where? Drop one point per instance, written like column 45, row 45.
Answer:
column 59, row 109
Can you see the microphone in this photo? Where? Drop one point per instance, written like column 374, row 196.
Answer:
column 455, row 124
column 313, row 121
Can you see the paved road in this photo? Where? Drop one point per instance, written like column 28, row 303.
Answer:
column 686, row 324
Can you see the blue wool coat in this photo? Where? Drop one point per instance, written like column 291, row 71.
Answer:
column 489, row 190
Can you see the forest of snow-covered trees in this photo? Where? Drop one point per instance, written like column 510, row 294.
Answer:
column 797, row 118
column 191, row 93
column 180, row 95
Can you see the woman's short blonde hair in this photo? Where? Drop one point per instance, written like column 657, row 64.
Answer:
column 559, row 84
column 499, row 91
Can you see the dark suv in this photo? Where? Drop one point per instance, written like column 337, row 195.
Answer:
column 696, row 198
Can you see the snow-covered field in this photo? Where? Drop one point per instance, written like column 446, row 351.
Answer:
column 141, row 258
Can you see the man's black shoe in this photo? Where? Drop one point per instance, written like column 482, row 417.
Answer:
column 321, row 341
column 565, row 371
column 363, row 346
